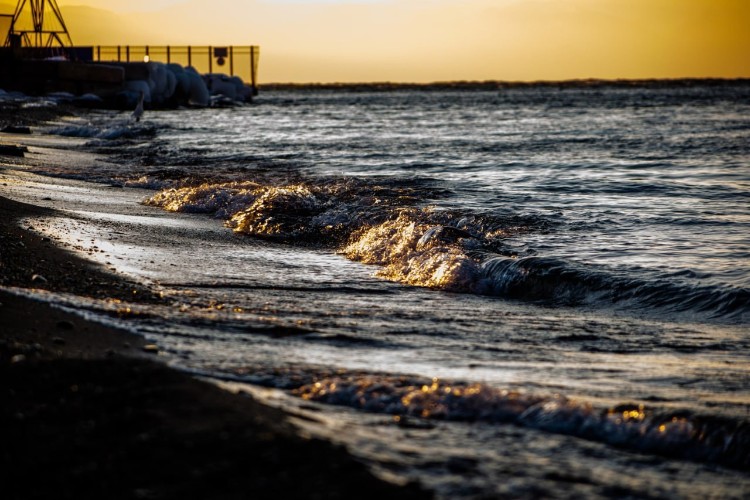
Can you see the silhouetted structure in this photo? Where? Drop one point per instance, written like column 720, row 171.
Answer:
column 39, row 24
column 237, row 60
column 38, row 57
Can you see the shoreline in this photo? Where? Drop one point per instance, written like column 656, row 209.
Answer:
column 90, row 413
column 341, row 351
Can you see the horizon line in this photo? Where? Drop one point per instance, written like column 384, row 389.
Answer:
column 514, row 83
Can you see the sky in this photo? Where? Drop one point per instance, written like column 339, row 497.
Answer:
column 440, row 40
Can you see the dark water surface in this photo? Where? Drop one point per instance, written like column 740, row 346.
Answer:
column 526, row 292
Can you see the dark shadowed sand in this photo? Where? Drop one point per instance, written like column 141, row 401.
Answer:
column 87, row 413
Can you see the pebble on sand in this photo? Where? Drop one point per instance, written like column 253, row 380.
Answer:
column 18, row 358
column 38, row 278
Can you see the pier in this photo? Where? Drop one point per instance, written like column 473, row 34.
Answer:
column 241, row 61
column 169, row 76
column 38, row 57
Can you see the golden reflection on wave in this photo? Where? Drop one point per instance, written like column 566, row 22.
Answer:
column 270, row 212
column 208, row 197
column 410, row 248
column 635, row 426
column 408, row 257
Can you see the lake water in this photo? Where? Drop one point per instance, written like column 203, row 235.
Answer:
column 533, row 291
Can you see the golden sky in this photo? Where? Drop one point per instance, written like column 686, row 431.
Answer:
column 438, row 40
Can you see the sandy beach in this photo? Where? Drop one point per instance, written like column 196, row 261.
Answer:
column 91, row 412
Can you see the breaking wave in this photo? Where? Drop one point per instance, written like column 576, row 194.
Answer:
column 670, row 433
column 560, row 282
column 456, row 251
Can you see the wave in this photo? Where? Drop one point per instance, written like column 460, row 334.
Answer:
column 679, row 434
column 457, row 251
column 459, row 259
column 559, row 282
column 117, row 131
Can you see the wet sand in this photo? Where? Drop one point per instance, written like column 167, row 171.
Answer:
column 89, row 412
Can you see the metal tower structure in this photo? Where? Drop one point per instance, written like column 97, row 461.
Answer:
column 45, row 29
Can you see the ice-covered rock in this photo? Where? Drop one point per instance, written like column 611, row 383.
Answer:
column 157, row 80
column 181, row 93
column 222, row 85
column 127, row 99
column 88, row 101
column 61, row 96
column 198, row 95
column 231, row 87
column 138, row 86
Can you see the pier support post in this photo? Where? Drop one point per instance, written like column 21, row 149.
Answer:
column 252, row 69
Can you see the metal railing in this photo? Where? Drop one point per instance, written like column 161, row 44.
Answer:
column 239, row 61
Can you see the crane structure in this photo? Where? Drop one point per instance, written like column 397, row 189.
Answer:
column 39, row 24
